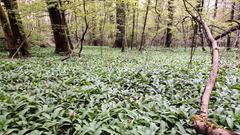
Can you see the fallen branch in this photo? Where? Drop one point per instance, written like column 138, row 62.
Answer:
column 227, row 32
column 200, row 122
column 204, row 127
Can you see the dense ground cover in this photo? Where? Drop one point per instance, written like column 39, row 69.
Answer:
column 108, row 92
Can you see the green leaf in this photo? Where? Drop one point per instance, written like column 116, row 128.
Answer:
column 23, row 132
column 181, row 128
column 46, row 115
column 229, row 122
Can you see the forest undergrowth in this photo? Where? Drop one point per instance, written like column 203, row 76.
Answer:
column 109, row 92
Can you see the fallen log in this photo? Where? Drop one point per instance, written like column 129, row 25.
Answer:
column 204, row 127
column 200, row 122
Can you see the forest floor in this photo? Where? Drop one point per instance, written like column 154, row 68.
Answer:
column 109, row 92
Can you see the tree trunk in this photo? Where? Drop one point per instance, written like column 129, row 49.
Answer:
column 76, row 27
column 102, row 27
column 157, row 21
column 215, row 9
column 237, row 40
column 58, row 27
column 94, row 27
column 85, row 30
column 133, row 26
column 170, row 24
column 198, row 27
column 67, row 29
column 111, row 36
column 144, row 27
column 229, row 44
column 11, row 46
column 201, row 31
column 120, row 35
column 15, row 21
column 136, row 26
column 126, row 25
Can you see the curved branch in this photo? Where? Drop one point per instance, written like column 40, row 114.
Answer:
column 86, row 28
column 230, row 30
column 200, row 122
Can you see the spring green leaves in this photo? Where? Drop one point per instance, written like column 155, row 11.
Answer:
column 113, row 93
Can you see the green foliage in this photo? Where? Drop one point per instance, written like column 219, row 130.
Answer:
column 112, row 93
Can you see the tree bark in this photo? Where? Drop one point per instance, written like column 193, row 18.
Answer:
column 229, row 45
column 201, row 30
column 201, row 2
column 215, row 9
column 170, row 23
column 120, row 35
column 133, row 26
column 102, row 27
column 58, row 27
column 11, row 46
column 64, row 21
column 144, row 27
column 137, row 26
column 157, row 20
column 95, row 22
column 17, row 29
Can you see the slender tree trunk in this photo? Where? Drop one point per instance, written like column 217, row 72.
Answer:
column 76, row 27
column 136, row 26
column 198, row 27
column 133, row 26
column 102, row 27
column 85, row 30
column 229, row 44
column 17, row 27
column 94, row 31
column 237, row 40
column 170, row 24
column 11, row 46
column 158, row 20
column 215, row 9
column 195, row 30
column 111, row 35
column 120, row 35
column 144, row 27
column 67, row 30
column 59, row 31
column 126, row 26
column 202, row 40
column 95, row 25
